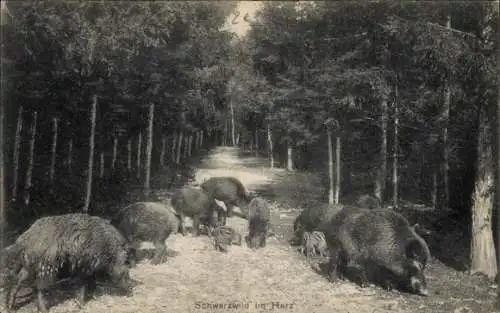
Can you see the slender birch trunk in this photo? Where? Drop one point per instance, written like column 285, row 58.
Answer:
column 53, row 150
column 149, row 150
column 129, row 155
column 382, row 171
column 179, row 146
column 174, row 147
column 163, row 150
column 330, row 168
column 90, row 165
column 337, row 159
column 17, row 149
column 115, row 153
column 395, row 162
column 31, row 160
column 139, row 150
column 270, row 142
column 70, row 156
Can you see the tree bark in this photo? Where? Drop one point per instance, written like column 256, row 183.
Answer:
column 70, row 155
column 434, row 189
column 17, row 148
column 139, row 149
column 3, row 221
column 163, row 150
column 201, row 139
column 224, row 135
column 31, row 160
column 233, row 130
column 129, row 155
column 330, row 167
column 497, row 127
column 395, row 177
column 256, row 142
column 196, row 141
column 337, row 159
column 90, row 165
column 382, row 170
column 174, row 147
column 179, row 146
column 101, row 164
column 186, row 147
column 289, row 162
column 483, row 258
column 190, row 145
column 149, row 149
column 53, row 150
column 270, row 143
column 446, row 117
column 115, row 153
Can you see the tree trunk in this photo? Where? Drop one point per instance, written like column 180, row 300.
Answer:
column 53, row 150
column 337, row 159
column 3, row 220
column 70, row 155
column 115, row 153
column 446, row 117
column 179, row 146
column 382, row 170
column 201, row 139
column 17, row 148
column 330, row 167
column 497, row 127
column 256, row 142
column 238, row 138
column 233, row 130
column 395, row 162
column 90, row 165
column 174, row 147
column 129, row 155
column 149, row 150
column 483, row 258
column 163, row 150
column 186, row 147
column 289, row 163
column 31, row 160
column 434, row 189
column 224, row 135
column 101, row 164
column 270, row 143
column 139, row 149
column 190, row 145
column 197, row 141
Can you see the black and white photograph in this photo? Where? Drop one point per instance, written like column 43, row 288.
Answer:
column 250, row 156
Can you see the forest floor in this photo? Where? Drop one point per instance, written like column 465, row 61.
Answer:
column 277, row 278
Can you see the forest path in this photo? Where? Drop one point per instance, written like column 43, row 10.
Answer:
column 196, row 278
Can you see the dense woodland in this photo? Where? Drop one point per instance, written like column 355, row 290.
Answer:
column 393, row 99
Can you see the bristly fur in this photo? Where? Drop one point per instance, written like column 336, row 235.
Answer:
column 368, row 202
column 225, row 236
column 193, row 202
column 147, row 222
column 229, row 190
column 375, row 240
column 259, row 218
column 70, row 245
column 313, row 242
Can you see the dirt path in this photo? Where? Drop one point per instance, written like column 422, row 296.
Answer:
column 274, row 279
